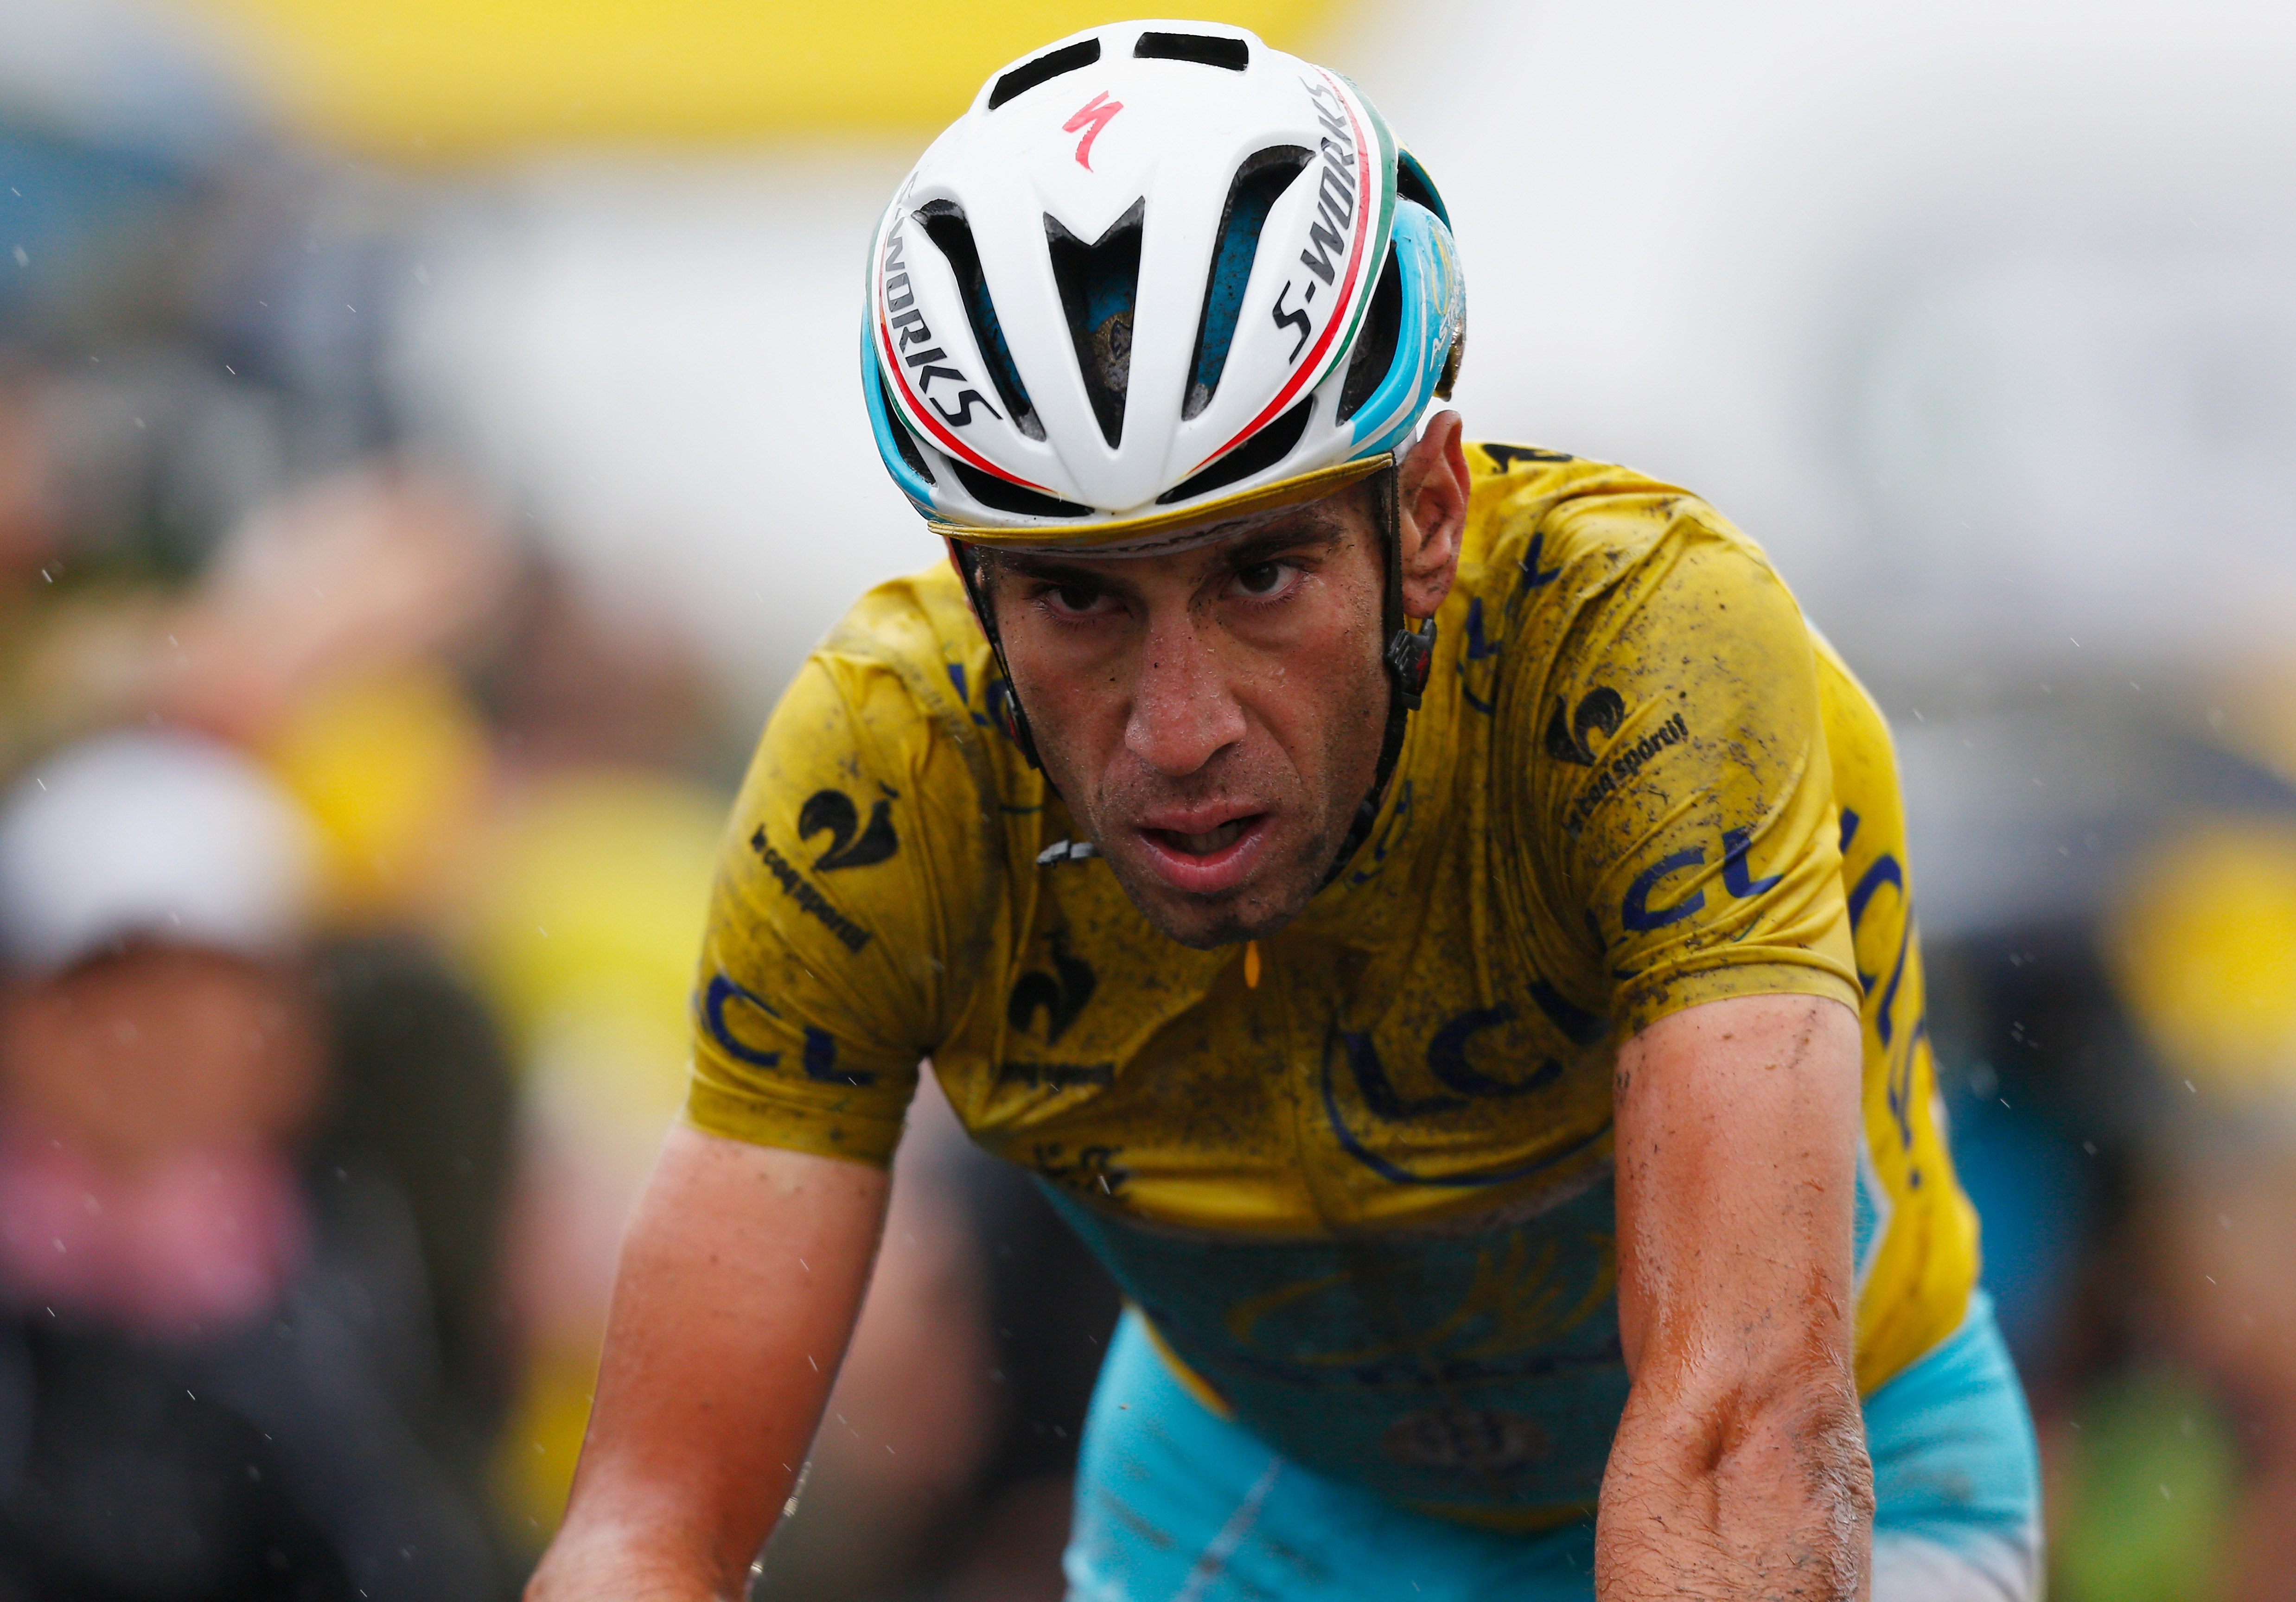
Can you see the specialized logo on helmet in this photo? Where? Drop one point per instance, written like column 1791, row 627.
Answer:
column 1093, row 115
column 906, row 325
column 1334, row 223
column 907, row 346
column 1315, row 307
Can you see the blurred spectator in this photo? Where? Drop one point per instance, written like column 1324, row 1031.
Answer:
column 582, row 681
column 944, row 1468
column 580, row 921
column 347, row 582
column 212, row 1371
column 2206, row 950
column 423, row 1110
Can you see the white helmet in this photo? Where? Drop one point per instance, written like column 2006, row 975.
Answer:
column 1159, row 274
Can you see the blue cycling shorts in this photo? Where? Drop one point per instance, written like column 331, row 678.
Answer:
column 1176, row 1504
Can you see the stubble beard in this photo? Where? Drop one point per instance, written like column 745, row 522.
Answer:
column 1279, row 891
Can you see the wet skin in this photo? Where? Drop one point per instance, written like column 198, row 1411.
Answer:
column 1213, row 716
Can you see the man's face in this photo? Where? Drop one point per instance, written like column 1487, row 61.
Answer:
column 159, row 1050
column 1212, row 717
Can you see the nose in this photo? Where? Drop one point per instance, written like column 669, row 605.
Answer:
column 1184, row 712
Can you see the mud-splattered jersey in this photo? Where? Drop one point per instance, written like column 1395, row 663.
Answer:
column 1367, row 1204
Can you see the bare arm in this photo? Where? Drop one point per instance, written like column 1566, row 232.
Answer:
column 1740, row 1467
column 739, row 1284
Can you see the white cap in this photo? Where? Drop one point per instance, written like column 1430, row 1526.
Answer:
column 166, row 835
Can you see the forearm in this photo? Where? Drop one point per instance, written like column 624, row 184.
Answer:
column 738, row 1289
column 1728, row 1497
column 1739, row 1469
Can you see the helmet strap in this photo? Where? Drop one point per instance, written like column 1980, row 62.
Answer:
column 1006, row 708
column 1409, row 656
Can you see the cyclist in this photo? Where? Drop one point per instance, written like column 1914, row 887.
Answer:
column 1434, row 916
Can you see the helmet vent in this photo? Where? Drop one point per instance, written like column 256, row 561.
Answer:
column 944, row 224
column 902, row 440
column 1004, row 495
column 1206, row 49
column 1412, row 183
column 1052, row 64
column 1099, row 284
column 1263, row 450
column 1263, row 177
column 1374, row 351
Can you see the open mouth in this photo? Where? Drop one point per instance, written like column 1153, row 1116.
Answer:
column 1209, row 843
column 1209, row 861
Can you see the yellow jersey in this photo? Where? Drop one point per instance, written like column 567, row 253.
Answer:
column 1365, row 1204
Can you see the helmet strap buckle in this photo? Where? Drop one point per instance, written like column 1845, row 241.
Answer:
column 1410, row 658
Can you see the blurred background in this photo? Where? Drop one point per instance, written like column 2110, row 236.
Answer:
column 429, row 441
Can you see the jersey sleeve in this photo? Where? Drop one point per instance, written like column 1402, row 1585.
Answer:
column 1684, row 779
column 846, row 885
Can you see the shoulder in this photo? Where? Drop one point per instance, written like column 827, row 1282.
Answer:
column 866, row 850
column 1571, row 568
column 882, row 755
column 1660, row 755
column 908, row 674
column 1540, row 516
column 916, row 631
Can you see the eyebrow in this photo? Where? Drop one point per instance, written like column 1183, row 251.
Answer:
column 1320, row 532
column 1054, row 569
column 1248, row 550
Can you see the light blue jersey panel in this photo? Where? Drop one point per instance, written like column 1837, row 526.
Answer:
column 1175, row 1504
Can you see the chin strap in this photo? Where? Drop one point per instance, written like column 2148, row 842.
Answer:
column 1410, row 658
column 1006, row 706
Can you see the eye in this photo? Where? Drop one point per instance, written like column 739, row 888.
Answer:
column 1263, row 579
column 1071, row 601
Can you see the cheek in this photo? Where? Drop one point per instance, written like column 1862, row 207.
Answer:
column 1324, row 699
column 1075, row 689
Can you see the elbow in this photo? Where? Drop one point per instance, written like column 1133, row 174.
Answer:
column 1801, row 1431
column 1774, row 1471
column 1822, row 1433
column 1833, row 1475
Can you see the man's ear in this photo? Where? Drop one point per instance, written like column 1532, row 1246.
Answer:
column 1432, row 486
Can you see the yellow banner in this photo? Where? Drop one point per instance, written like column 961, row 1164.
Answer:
column 450, row 79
